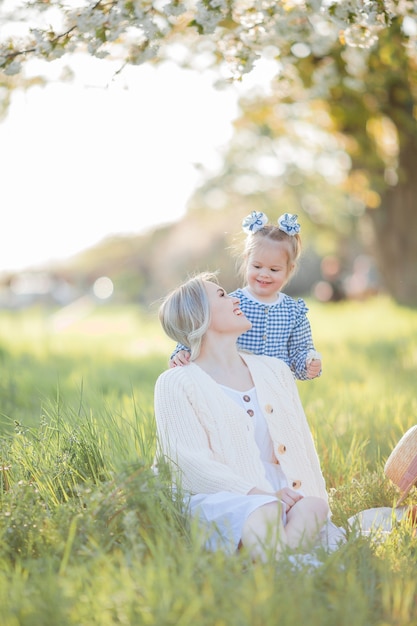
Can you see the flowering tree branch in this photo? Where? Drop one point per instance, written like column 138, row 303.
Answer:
column 234, row 33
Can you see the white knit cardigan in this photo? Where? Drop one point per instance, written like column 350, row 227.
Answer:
column 209, row 440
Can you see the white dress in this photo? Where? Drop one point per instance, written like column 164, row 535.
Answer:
column 221, row 515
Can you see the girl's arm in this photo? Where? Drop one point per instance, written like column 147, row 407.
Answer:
column 305, row 361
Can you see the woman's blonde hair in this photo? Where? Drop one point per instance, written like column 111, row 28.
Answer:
column 185, row 312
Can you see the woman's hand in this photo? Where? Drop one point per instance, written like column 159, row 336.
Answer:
column 288, row 497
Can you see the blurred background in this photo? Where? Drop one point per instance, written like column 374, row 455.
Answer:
column 118, row 184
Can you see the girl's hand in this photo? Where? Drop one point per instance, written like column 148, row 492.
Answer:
column 288, row 497
column 181, row 358
column 313, row 364
column 313, row 367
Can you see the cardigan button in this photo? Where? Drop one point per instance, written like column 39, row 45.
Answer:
column 250, row 412
column 282, row 449
column 269, row 408
column 296, row 484
column 246, row 398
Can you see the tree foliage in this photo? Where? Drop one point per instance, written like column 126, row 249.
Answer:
column 347, row 116
column 234, row 33
column 345, row 87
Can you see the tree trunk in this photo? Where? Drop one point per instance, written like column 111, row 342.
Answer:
column 395, row 230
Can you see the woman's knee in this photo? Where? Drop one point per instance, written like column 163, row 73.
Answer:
column 264, row 519
column 318, row 506
column 311, row 506
column 269, row 513
column 263, row 531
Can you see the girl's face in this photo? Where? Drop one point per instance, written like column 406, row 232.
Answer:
column 268, row 269
column 225, row 314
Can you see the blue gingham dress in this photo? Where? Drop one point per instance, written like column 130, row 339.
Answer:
column 280, row 329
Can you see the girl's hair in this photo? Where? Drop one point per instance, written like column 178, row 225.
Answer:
column 271, row 232
column 185, row 312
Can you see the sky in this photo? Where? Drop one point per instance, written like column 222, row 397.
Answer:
column 104, row 155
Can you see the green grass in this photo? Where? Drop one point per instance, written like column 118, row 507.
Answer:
column 89, row 534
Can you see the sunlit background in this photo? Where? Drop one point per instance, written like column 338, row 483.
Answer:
column 104, row 153
column 117, row 181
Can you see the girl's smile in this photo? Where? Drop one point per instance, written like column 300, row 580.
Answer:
column 268, row 270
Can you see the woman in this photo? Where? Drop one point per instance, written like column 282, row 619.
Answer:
column 232, row 427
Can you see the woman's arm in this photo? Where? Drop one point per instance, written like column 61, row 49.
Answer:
column 185, row 443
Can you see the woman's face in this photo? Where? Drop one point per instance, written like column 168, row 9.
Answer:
column 225, row 314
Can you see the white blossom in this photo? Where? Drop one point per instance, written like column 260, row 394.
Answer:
column 254, row 25
column 13, row 68
column 174, row 9
column 207, row 17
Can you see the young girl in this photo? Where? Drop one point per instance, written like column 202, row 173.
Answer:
column 280, row 326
